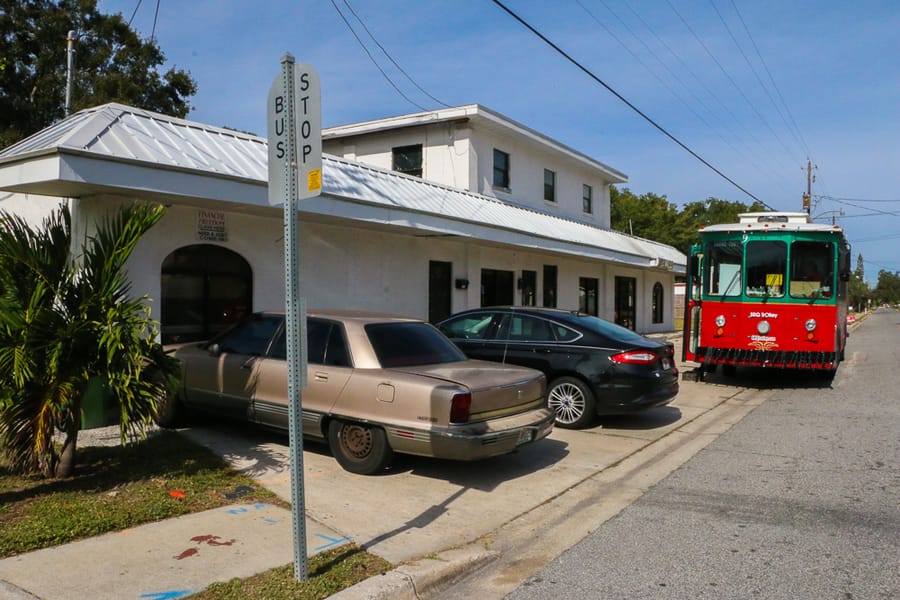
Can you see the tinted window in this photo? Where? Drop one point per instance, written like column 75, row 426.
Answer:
column 410, row 344
column 525, row 328
column 608, row 330
column 469, row 327
column 251, row 336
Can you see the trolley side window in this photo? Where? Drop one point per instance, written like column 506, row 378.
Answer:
column 812, row 269
column 724, row 268
column 766, row 268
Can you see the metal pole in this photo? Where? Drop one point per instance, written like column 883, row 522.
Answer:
column 70, row 60
column 295, row 315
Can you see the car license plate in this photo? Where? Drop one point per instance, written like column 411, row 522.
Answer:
column 666, row 363
column 525, row 436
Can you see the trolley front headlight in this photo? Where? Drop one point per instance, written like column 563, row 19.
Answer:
column 720, row 321
column 810, row 325
column 763, row 327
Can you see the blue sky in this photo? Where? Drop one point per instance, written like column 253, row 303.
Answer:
column 753, row 87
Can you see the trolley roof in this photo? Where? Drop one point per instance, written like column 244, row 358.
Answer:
column 773, row 221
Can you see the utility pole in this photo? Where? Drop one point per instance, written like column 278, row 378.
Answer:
column 810, row 178
column 70, row 59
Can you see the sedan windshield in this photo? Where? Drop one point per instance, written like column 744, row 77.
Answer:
column 411, row 344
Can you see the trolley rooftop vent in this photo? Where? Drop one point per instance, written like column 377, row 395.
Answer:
column 775, row 217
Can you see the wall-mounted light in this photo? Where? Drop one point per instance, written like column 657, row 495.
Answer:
column 519, row 283
column 462, row 284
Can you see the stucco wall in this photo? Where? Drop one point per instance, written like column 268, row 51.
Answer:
column 364, row 268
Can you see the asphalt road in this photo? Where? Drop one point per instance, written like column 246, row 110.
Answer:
column 797, row 500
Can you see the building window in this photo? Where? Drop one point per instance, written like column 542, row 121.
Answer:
column 587, row 199
column 587, row 295
column 549, row 185
column 407, row 160
column 550, row 286
column 501, row 169
column 658, row 296
column 528, row 287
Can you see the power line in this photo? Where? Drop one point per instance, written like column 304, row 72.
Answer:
column 796, row 128
column 624, row 100
column 751, row 158
column 135, row 12
column 852, row 199
column 155, row 16
column 372, row 58
column 391, row 58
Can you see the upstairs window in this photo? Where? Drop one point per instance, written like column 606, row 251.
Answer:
column 549, row 185
column 407, row 160
column 501, row 169
column 587, row 199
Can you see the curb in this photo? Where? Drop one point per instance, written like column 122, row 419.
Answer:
column 413, row 580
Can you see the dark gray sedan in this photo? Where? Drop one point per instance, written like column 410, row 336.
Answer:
column 592, row 366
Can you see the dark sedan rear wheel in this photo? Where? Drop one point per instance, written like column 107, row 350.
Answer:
column 572, row 402
column 359, row 448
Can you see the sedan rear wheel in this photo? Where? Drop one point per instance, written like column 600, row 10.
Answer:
column 572, row 401
column 359, row 448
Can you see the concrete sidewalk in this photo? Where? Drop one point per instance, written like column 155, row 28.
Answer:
column 163, row 560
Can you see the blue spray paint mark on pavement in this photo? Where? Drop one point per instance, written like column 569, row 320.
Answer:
column 171, row 595
column 331, row 541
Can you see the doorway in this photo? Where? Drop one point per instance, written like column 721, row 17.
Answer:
column 496, row 288
column 440, row 274
column 205, row 288
column 625, row 301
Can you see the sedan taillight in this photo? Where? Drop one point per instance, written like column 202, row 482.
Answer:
column 634, row 357
column 460, row 406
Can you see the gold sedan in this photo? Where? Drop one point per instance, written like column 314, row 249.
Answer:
column 375, row 385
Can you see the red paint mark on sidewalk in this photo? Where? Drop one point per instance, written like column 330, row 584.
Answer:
column 211, row 540
column 186, row 553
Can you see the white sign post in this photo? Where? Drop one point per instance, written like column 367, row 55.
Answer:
column 295, row 172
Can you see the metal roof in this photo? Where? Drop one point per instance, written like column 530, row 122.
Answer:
column 123, row 135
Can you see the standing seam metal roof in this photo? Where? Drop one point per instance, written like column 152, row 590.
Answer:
column 117, row 131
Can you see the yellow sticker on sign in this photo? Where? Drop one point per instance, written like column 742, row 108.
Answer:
column 774, row 278
column 314, row 180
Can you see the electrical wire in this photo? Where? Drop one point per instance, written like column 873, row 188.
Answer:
column 590, row 74
column 135, row 12
column 372, row 58
column 796, row 129
column 155, row 17
column 391, row 58
column 751, row 158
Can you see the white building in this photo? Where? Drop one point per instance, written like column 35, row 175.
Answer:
column 376, row 239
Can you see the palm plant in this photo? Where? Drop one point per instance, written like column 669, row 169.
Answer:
column 65, row 319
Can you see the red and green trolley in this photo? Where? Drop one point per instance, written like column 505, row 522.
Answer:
column 768, row 291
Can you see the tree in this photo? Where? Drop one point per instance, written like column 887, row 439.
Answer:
column 887, row 291
column 64, row 320
column 112, row 64
column 857, row 289
column 655, row 218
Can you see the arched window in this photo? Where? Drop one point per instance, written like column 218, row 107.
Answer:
column 205, row 288
column 658, row 297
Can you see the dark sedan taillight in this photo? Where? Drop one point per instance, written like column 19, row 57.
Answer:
column 460, row 406
column 634, row 357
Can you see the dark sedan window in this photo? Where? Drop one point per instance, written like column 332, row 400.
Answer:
column 411, row 344
column 468, row 327
column 525, row 328
column 608, row 329
column 250, row 337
